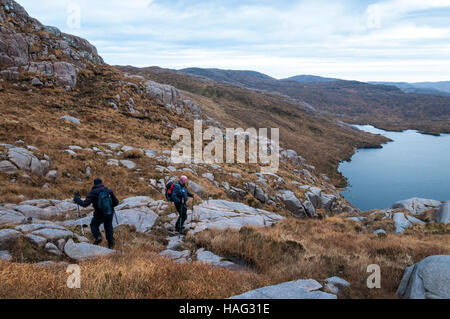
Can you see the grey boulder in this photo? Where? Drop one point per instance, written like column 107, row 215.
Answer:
column 71, row 119
column 428, row 279
column 416, row 206
column 443, row 214
column 401, row 223
column 10, row 217
column 85, row 251
column 52, row 234
column 8, row 237
column 7, row 168
column 300, row 289
column 292, row 203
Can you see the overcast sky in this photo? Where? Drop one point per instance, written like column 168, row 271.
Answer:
column 366, row 40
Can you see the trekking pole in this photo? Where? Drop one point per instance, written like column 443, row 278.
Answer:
column 81, row 222
column 117, row 222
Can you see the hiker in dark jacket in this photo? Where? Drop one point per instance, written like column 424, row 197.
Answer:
column 100, row 217
column 180, row 196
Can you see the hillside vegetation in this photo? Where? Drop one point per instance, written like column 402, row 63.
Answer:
column 67, row 117
column 383, row 106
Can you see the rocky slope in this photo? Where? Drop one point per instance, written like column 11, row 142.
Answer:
column 68, row 117
column 322, row 140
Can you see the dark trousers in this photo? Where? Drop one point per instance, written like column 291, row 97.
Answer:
column 182, row 211
column 107, row 221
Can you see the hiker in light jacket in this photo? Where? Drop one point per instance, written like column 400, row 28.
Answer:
column 102, row 215
column 180, row 197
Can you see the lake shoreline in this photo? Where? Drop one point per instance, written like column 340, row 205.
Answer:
column 410, row 165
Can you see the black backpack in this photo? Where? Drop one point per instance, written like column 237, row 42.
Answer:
column 169, row 191
column 104, row 203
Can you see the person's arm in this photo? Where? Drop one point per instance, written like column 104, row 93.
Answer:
column 84, row 203
column 115, row 201
column 190, row 194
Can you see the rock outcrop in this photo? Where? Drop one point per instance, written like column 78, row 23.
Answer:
column 417, row 206
column 85, row 251
column 28, row 46
column 428, row 279
column 300, row 289
column 443, row 214
column 171, row 98
column 221, row 214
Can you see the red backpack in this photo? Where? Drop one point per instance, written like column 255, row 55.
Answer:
column 169, row 191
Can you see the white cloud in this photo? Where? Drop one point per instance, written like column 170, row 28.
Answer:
column 386, row 40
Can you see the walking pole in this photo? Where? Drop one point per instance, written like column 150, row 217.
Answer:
column 192, row 211
column 81, row 223
column 117, row 222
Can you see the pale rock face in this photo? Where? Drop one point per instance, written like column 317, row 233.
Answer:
column 401, row 223
column 31, row 211
column 10, row 217
column 428, row 279
column 208, row 257
column 7, row 237
column 443, row 214
column 220, row 214
column 71, row 119
column 27, row 161
column 52, row 234
column 37, row 240
column 85, row 251
column 133, row 202
column 143, row 219
column 178, row 256
column 417, row 206
column 128, row 164
column 7, row 168
column 171, row 98
column 293, row 204
column 28, row 228
column 300, row 289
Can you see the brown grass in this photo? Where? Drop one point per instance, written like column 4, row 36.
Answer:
column 293, row 249
column 320, row 249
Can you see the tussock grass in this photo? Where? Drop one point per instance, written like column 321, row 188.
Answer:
column 138, row 273
column 320, row 249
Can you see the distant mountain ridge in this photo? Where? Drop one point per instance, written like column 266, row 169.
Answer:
column 439, row 88
column 310, row 79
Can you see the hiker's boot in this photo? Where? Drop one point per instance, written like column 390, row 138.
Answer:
column 97, row 242
column 111, row 244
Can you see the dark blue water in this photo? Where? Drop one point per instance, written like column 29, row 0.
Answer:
column 413, row 165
